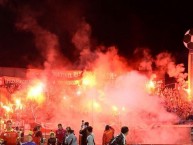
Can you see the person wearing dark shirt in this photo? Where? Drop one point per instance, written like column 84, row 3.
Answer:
column 52, row 140
column 38, row 137
column 22, row 135
column 83, row 132
column 121, row 138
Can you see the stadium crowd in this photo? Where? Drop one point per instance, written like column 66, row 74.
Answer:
column 174, row 101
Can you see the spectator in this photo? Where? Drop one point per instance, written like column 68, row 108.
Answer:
column 38, row 137
column 9, row 136
column 71, row 138
column 29, row 140
column 121, row 138
column 107, row 135
column 83, row 132
column 90, row 137
column 60, row 134
column 52, row 140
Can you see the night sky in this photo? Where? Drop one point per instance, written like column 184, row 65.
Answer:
column 128, row 24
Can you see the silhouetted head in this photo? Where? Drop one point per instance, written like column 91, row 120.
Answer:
column 107, row 127
column 125, row 130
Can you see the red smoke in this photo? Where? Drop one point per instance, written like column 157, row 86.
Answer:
column 111, row 91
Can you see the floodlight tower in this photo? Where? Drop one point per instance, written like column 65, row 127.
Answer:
column 190, row 72
column 188, row 42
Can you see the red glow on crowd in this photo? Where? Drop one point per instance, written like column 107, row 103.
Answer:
column 129, row 97
column 103, row 89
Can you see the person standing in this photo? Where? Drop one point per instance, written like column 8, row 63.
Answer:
column 9, row 136
column 71, row 138
column 83, row 133
column 38, row 137
column 60, row 134
column 21, row 135
column 107, row 135
column 52, row 140
column 121, row 138
column 90, row 137
column 29, row 140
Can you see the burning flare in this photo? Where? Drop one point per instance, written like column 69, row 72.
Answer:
column 89, row 79
column 36, row 93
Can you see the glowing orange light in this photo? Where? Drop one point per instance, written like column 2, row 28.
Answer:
column 189, row 94
column 150, row 86
column 36, row 90
column 123, row 108
column 188, row 91
column 18, row 104
column 115, row 108
column 7, row 108
column 1, row 121
column 17, row 101
column 78, row 92
column 96, row 105
column 89, row 79
column 35, row 93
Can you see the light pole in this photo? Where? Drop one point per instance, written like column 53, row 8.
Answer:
column 188, row 42
column 190, row 72
column 92, row 111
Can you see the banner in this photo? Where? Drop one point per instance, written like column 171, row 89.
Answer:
column 14, row 80
column 31, row 73
column 7, row 81
column 22, row 77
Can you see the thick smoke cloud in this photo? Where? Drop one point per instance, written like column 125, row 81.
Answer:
column 162, row 63
column 46, row 42
column 82, row 42
column 81, row 38
column 117, row 95
column 166, row 64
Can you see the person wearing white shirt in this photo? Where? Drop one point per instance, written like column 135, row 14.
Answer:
column 71, row 138
column 90, row 137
